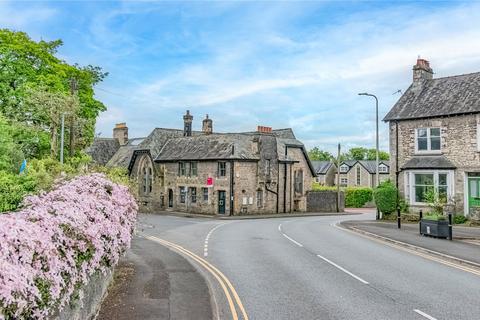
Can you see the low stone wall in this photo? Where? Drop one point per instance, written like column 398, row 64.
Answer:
column 324, row 201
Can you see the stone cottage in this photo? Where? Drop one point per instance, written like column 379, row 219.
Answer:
column 435, row 139
column 326, row 171
column 262, row 172
column 362, row 173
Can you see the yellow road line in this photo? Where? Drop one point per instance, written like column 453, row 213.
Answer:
column 412, row 251
column 219, row 276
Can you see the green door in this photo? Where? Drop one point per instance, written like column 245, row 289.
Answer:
column 473, row 193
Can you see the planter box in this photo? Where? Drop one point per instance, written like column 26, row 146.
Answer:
column 438, row 229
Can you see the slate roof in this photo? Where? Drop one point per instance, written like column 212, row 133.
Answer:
column 321, row 167
column 122, row 157
column 429, row 162
column 103, row 149
column 371, row 165
column 209, row 147
column 159, row 137
column 439, row 97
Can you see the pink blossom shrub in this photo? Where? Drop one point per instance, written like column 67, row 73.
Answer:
column 52, row 247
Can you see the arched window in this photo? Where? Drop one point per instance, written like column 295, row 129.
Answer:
column 150, row 179
column 146, row 176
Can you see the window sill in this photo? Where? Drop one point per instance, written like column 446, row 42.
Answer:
column 428, row 153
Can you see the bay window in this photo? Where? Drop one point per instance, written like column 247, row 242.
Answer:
column 420, row 183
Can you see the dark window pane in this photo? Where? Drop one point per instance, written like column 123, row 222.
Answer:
column 424, row 179
column 435, row 143
column 422, row 144
column 442, row 179
column 435, row 132
column 420, row 192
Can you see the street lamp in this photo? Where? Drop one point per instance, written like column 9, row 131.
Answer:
column 377, row 176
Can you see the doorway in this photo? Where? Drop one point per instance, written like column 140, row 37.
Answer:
column 170, row 198
column 221, row 202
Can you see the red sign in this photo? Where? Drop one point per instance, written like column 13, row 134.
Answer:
column 209, row 181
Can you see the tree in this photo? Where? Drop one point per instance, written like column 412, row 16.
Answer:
column 317, row 154
column 28, row 66
column 360, row 153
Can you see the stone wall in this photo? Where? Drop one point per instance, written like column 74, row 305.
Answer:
column 458, row 144
column 93, row 294
column 324, row 201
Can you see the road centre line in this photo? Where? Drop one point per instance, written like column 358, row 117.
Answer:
column 429, row 317
column 342, row 269
column 217, row 274
column 205, row 244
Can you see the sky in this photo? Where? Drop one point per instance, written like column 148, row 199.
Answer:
column 280, row 64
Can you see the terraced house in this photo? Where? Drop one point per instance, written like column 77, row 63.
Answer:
column 262, row 172
column 435, row 139
column 362, row 173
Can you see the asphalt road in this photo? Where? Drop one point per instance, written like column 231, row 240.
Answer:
column 308, row 268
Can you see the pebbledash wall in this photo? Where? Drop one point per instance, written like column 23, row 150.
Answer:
column 459, row 144
column 254, row 190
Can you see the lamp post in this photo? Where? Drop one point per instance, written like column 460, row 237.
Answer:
column 377, row 176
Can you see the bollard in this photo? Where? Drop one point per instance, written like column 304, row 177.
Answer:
column 420, row 222
column 450, row 228
column 399, row 223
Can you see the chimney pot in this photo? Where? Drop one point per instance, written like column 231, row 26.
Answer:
column 421, row 72
column 207, row 125
column 120, row 132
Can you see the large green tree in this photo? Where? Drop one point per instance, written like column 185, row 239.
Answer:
column 28, row 66
column 317, row 154
column 360, row 153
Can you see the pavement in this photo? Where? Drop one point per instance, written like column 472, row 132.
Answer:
column 152, row 282
column 464, row 246
column 306, row 268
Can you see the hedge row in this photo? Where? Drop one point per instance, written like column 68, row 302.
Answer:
column 50, row 248
column 355, row 197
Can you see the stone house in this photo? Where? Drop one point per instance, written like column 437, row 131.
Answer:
column 435, row 139
column 326, row 171
column 261, row 172
column 362, row 173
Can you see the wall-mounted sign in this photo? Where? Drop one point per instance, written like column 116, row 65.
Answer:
column 209, row 182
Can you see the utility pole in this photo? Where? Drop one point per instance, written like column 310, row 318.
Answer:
column 73, row 91
column 338, row 178
column 62, row 138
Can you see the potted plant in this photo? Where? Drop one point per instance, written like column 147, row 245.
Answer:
column 434, row 223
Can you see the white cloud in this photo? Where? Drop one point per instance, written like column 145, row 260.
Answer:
column 29, row 14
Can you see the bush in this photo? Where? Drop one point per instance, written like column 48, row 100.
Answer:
column 459, row 219
column 434, row 217
column 318, row 187
column 58, row 241
column 385, row 196
column 357, row 197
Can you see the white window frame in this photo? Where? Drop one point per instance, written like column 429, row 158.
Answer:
column 429, row 141
column 410, row 184
column 342, row 181
column 344, row 168
column 382, row 168
column 358, row 175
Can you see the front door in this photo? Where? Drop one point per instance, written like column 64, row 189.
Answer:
column 170, row 198
column 473, row 194
column 221, row 202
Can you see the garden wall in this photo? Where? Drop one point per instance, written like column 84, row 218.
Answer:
column 324, row 201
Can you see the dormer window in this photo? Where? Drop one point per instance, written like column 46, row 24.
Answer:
column 343, row 168
column 428, row 139
column 382, row 168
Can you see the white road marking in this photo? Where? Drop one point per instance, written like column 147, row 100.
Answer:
column 297, row 243
column 342, row 269
column 424, row 314
column 205, row 245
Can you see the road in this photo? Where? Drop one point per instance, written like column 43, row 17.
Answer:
column 309, row 268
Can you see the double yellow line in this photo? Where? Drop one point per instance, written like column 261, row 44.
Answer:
column 230, row 292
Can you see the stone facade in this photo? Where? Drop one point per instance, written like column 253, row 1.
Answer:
column 459, row 144
column 434, row 140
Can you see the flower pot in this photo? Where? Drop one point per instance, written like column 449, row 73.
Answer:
column 433, row 228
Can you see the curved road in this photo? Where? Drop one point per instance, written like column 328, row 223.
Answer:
column 308, row 268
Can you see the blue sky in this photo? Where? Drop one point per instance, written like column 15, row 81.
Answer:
column 280, row 64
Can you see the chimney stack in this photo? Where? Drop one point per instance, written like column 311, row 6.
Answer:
column 120, row 132
column 262, row 129
column 421, row 72
column 187, row 124
column 207, row 126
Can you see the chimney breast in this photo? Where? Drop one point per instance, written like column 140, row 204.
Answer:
column 187, row 124
column 421, row 72
column 207, row 126
column 120, row 132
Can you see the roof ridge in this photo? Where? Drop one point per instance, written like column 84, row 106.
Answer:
column 457, row 75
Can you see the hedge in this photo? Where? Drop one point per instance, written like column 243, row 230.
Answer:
column 357, row 197
column 50, row 248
